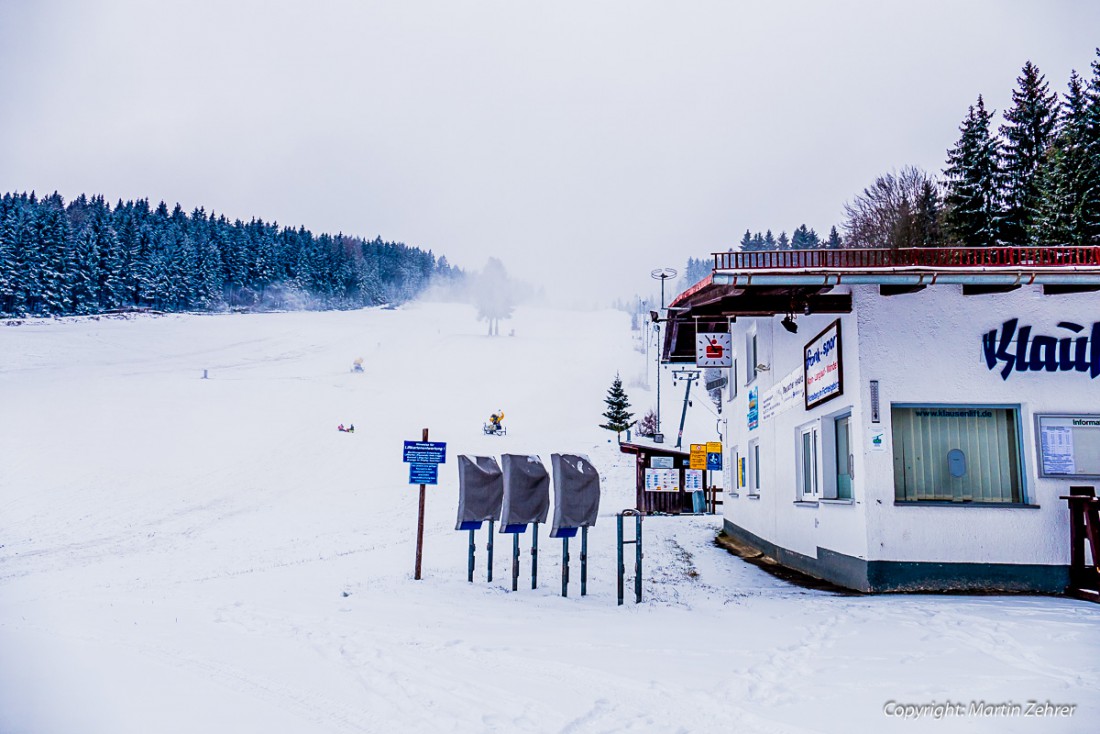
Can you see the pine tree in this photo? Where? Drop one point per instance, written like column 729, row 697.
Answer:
column 618, row 418
column 1028, row 134
column 974, row 180
column 783, row 243
column 834, row 242
column 746, row 242
column 1069, row 178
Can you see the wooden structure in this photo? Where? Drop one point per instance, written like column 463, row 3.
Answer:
column 1084, row 527
column 668, row 503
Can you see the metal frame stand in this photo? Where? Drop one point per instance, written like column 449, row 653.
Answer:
column 515, row 561
column 584, row 561
column 489, row 547
column 638, row 554
column 470, row 564
column 535, row 557
column 565, row 566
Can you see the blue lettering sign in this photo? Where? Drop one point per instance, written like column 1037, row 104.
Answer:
column 1042, row 353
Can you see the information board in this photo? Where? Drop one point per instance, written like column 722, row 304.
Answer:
column 661, row 462
column 1069, row 445
column 662, row 480
column 693, row 480
column 425, row 452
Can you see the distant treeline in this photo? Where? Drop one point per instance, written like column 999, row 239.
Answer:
column 87, row 257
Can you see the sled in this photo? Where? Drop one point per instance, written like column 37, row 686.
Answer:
column 497, row 430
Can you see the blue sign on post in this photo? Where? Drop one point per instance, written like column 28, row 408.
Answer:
column 423, row 473
column 714, row 462
column 425, row 452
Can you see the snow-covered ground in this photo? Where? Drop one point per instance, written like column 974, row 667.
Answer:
column 189, row 555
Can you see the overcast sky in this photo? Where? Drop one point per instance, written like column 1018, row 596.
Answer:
column 582, row 143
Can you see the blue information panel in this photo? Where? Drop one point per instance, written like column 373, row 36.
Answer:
column 714, row 462
column 425, row 452
column 423, row 473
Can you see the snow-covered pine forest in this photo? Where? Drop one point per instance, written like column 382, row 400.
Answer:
column 87, row 257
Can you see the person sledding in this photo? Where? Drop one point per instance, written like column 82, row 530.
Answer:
column 349, row 429
column 495, row 426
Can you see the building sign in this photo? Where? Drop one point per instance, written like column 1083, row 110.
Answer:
column 754, row 409
column 661, row 462
column 1071, row 350
column 662, row 480
column 698, row 456
column 713, row 350
column 1069, row 445
column 824, row 373
column 784, row 395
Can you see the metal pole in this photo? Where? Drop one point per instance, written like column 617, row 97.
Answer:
column 661, row 274
column 420, row 526
column 515, row 561
column 535, row 558
column 683, row 415
column 565, row 566
column 490, row 549
column 584, row 561
column 470, row 565
column 620, row 569
column 638, row 562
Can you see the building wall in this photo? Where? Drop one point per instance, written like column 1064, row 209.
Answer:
column 926, row 347
column 923, row 348
column 777, row 515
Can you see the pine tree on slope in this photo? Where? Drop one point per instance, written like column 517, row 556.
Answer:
column 618, row 418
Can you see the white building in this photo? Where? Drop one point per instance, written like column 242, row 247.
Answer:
column 917, row 419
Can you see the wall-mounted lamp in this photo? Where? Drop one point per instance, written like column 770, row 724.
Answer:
column 789, row 324
column 762, row 367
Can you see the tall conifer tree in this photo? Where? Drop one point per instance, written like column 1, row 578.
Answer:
column 974, row 178
column 1027, row 133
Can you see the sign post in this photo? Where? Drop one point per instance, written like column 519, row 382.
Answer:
column 423, row 459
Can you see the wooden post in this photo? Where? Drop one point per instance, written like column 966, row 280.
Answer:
column 420, row 526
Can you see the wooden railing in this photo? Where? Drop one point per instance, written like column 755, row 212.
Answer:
column 922, row 257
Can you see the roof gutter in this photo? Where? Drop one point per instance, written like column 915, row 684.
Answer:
column 892, row 276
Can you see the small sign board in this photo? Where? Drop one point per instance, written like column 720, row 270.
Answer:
column 716, row 384
column 425, row 452
column 713, row 350
column 661, row 462
column 423, row 473
column 698, row 456
column 693, row 480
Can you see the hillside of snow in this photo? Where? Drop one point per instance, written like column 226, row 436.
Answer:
column 180, row 554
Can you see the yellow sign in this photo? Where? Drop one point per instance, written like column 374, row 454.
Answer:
column 698, row 456
column 714, row 447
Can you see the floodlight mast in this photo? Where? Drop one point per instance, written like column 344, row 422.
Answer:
column 661, row 274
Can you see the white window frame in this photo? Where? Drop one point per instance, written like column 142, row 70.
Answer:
column 809, row 482
column 752, row 356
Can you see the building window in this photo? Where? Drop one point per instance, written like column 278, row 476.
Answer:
column 957, row 453
column 752, row 357
column 842, row 441
column 807, row 465
column 754, row 467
